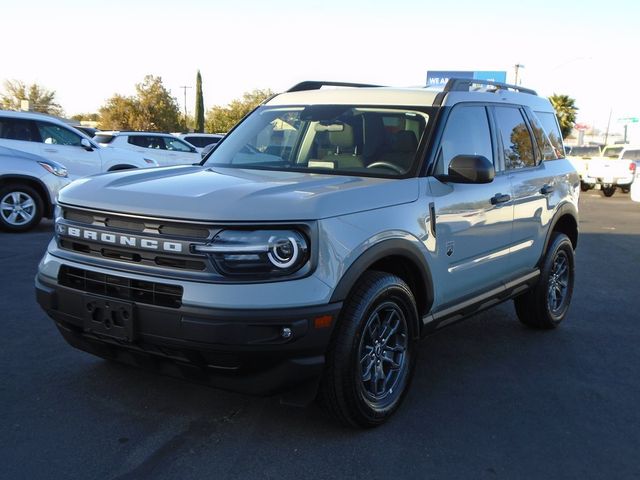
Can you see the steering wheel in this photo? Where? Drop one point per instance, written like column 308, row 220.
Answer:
column 388, row 165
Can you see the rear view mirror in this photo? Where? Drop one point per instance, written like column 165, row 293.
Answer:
column 470, row 169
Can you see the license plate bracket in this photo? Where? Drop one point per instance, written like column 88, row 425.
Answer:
column 109, row 318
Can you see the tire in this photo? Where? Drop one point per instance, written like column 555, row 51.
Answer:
column 538, row 308
column 21, row 208
column 585, row 187
column 608, row 191
column 625, row 189
column 361, row 350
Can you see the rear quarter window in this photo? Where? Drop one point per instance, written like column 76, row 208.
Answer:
column 103, row 138
column 552, row 129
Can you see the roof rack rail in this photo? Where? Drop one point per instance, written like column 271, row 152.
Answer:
column 316, row 85
column 464, row 85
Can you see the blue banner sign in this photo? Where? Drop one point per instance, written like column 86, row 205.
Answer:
column 439, row 78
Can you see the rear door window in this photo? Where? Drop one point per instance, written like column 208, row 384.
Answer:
column 515, row 138
column 144, row 141
column 631, row 155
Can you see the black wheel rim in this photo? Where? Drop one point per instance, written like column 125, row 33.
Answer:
column 559, row 279
column 383, row 355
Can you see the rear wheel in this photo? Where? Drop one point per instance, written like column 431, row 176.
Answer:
column 547, row 304
column 585, row 187
column 21, row 208
column 371, row 357
column 625, row 189
column 609, row 191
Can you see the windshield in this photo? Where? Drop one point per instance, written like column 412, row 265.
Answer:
column 338, row 139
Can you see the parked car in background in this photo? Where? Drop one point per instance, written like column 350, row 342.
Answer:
column 55, row 140
column 612, row 169
column 579, row 157
column 201, row 140
column 167, row 149
column 29, row 185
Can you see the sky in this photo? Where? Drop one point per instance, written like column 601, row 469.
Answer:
column 88, row 51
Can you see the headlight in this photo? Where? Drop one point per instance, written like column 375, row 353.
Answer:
column 257, row 252
column 57, row 169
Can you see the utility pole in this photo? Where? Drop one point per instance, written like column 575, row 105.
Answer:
column 517, row 66
column 606, row 135
column 184, row 88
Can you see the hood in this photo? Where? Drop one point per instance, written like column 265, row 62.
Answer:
column 10, row 152
column 230, row 194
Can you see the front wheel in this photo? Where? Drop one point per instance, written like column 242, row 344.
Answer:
column 609, row 191
column 547, row 304
column 21, row 208
column 372, row 354
column 625, row 189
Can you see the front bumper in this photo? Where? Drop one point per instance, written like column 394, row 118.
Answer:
column 241, row 350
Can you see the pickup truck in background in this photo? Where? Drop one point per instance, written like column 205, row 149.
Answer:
column 613, row 168
column 579, row 157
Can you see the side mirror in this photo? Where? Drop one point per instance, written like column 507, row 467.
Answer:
column 470, row 169
column 86, row 144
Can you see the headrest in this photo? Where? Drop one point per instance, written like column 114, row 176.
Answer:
column 405, row 141
column 343, row 139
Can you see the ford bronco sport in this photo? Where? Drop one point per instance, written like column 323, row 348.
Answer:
column 320, row 239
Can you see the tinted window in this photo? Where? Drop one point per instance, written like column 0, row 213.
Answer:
column 202, row 141
column 147, row 141
column 552, row 129
column 515, row 138
column 547, row 150
column 56, row 135
column 18, row 129
column 466, row 133
column 176, row 145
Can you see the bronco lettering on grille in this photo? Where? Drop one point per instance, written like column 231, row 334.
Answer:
column 123, row 240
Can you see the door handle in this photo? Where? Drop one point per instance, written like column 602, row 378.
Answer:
column 500, row 198
column 51, row 150
column 547, row 189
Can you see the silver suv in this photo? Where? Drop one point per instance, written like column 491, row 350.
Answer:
column 29, row 185
column 326, row 234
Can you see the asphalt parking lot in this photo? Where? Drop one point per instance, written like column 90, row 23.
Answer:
column 491, row 398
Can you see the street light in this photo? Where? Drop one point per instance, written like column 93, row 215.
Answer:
column 517, row 67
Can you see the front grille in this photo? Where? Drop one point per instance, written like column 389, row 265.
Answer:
column 138, row 225
column 122, row 288
column 158, row 230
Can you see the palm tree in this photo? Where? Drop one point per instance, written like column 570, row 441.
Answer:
column 566, row 110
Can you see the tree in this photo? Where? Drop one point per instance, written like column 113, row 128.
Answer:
column 223, row 119
column 152, row 108
column 566, row 110
column 40, row 99
column 91, row 117
column 199, row 127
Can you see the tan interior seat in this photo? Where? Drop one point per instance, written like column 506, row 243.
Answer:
column 344, row 152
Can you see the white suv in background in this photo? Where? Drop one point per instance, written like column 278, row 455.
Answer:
column 167, row 149
column 53, row 139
